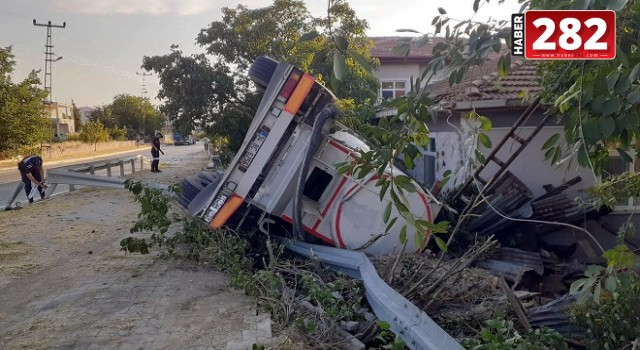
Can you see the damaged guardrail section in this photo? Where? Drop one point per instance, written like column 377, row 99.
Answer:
column 413, row 325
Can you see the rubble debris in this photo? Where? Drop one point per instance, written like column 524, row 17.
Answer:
column 512, row 264
column 556, row 315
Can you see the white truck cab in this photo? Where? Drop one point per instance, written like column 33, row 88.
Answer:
column 262, row 179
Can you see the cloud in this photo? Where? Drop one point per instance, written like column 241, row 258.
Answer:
column 130, row 7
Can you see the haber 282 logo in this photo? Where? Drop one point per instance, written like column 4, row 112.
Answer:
column 564, row 35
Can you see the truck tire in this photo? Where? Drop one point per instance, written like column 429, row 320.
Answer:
column 262, row 70
column 192, row 185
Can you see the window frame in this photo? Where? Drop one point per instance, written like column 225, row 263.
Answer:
column 394, row 90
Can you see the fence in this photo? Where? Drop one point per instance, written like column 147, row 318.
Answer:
column 108, row 165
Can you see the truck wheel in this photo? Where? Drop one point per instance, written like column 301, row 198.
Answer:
column 262, row 70
column 192, row 185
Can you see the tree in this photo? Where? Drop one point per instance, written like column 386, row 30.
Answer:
column 77, row 120
column 135, row 113
column 104, row 116
column 196, row 93
column 331, row 47
column 21, row 112
column 94, row 132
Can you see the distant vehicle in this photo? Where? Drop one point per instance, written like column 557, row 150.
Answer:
column 183, row 140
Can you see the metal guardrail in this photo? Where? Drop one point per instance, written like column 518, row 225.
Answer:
column 413, row 325
column 84, row 175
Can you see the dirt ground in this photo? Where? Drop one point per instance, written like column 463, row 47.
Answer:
column 65, row 284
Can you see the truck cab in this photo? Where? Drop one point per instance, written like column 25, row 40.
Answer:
column 336, row 209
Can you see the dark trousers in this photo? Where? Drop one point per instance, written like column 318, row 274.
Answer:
column 156, row 160
column 28, row 185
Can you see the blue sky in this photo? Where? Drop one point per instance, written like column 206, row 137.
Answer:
column 104, row 41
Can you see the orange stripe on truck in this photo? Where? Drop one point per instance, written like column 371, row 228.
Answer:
column 226, row 211
column 299, row 94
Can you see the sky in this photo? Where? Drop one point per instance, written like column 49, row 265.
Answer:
column 104, row 41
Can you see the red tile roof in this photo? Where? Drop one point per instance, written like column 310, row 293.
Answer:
column 484, row 83
column 384, row 49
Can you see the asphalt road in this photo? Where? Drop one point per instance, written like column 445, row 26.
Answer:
column 10, row 178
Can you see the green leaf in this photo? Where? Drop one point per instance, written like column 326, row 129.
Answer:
column 596, row 293
column 633, row 97
column 405, row 183
column 362, row 61
column 476, row 5
column 441, row 244
column 607, row 126
column 480, row 156
column 418, row 239
column 635, row 73
column 612, row 79
column 549, row 153
column 610, row 283
column 624, row 155
column 485, row 123
column 339, row 66
column 407, row 31
column 390, row 224
column 551, row 141
column 403, row 234
column 309, row 36
column 341, row 42
column 442, row 11
column 408, row 162
column 387, row 213
column 581, row 4
column 616, row 5
column 610, row 106
column 383, row 189
column 556, row 155
column 504, row 65
column 484, row 140
column 577, row 285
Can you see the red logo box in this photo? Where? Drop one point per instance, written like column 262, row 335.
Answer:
column 570, row 35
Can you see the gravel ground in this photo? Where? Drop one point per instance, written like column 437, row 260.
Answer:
column 64, row 283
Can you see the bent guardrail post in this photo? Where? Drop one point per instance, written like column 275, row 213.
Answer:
column 413, row 325
column 13, row 197
column 108, row 169
column 71, row 186
column 92, row 169
column 72, row 178
column 121, row 164
column 49, row 191
column 133, row 165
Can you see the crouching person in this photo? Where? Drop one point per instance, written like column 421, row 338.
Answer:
column 32, row 171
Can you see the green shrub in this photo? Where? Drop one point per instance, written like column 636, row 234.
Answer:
column 499, row 334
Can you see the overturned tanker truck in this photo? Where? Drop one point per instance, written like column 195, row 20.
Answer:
column 284, row 176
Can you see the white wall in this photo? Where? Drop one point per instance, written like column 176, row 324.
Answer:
column 455, row 153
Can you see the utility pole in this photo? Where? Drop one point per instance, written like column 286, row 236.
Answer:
column 143, row 91
column 48, row 56
column 143, row 87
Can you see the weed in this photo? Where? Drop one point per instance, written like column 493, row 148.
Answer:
column 500, row 334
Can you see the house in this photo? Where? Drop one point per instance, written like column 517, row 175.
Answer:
column 503, row 100
column 85, row 114
column 61, row 117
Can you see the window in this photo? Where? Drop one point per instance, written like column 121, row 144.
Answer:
column 424, row 169
column 392, row 89
column 616, row 166
column 316, row 184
